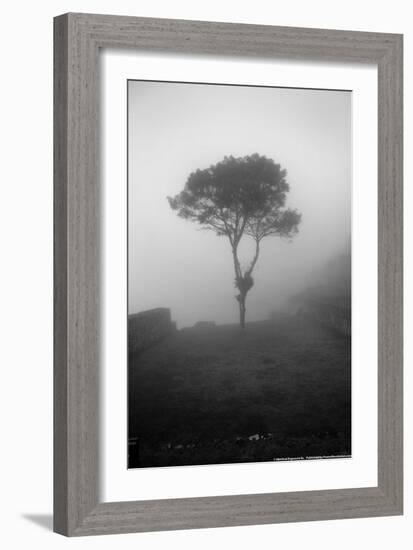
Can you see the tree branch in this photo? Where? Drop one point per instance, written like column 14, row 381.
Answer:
column 237, row 267
column 255, row 259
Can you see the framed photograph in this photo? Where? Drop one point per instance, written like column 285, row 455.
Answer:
column 228, row 274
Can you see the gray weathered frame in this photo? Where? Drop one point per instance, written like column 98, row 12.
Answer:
column 78, row 39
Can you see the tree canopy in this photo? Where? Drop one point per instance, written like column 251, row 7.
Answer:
column 237, row 196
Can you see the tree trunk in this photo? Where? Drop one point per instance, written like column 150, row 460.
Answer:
column 242, row 310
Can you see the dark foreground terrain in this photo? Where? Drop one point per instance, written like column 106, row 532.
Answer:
column 280, row 390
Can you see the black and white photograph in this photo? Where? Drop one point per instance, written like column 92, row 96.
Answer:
column 239, row 274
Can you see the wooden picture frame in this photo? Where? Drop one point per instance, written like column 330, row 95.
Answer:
column 78, row 39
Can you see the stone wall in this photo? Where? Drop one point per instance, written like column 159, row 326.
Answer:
column 333, row 311
column 328, row 300
column 147, row 328
column 332, row 315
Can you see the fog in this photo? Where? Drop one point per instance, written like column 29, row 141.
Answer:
column 175, row 129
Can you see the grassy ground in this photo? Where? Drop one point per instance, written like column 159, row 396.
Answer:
column 280, row 390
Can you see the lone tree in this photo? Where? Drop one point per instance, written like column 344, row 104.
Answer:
column 237, row 197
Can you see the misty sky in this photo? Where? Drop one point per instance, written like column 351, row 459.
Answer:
column 176, row 128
